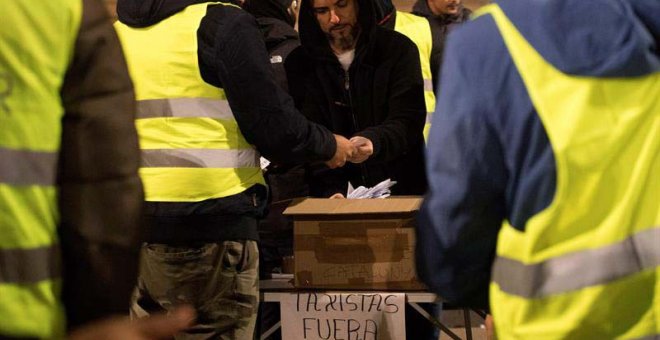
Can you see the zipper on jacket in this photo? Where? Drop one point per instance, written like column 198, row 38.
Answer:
column 347, row 88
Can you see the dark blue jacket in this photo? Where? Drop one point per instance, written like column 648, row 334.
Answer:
column 489, row 157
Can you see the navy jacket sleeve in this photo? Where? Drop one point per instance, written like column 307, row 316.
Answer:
column 233, row 55
column 463, row 210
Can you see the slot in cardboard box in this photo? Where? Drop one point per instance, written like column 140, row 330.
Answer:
column 355, row 243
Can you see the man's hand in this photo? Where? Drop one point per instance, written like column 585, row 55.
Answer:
column 364, row 149
column 490, row 328
column 151, row 328
column 345, row 150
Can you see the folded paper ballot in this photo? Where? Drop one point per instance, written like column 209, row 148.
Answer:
column 264, row 163
column 380, row 190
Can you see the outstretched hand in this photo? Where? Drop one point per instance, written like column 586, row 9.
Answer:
column 345, row 150
column 151, row 328
column 364, row 149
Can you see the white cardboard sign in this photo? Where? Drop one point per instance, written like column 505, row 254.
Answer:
column 343, row 316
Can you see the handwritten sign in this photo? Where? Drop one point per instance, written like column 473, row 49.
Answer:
column 343, row 316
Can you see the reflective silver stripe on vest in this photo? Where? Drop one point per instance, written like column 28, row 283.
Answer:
column 21, row 167
column 184, row 107
column 27, row 266
column 200, row 158
column 429, row 117
column 428, row 85
column 580, row 269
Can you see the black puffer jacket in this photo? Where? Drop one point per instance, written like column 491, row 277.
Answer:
column 385, row 102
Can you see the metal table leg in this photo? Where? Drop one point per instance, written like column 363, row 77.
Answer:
column 468, row 324
column 271, row 330
column 434, row 321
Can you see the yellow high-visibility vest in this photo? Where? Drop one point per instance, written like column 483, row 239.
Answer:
column 37, row 40
column 418, row 30
column 587, row 266
column 192, row 147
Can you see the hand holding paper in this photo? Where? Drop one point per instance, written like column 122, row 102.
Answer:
column 364, row 149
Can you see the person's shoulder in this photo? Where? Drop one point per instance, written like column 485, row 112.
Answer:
column 225, row 9
column 223, row 21
column 474, row 35
column 392, row 40
column 477, row 52
column 224, row 13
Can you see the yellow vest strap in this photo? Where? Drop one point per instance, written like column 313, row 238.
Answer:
column 581, row 269
column 23, row 167
column 419, row 31
column 27, row 266
column 184, row 107
column 200, row 158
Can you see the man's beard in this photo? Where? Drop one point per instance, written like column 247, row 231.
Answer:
column 344, row 42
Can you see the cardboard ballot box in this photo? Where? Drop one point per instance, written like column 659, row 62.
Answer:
column 355, row 243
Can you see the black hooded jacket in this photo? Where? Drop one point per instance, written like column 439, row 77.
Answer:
column 232, row 55
column 276, row 23
column 384, row 103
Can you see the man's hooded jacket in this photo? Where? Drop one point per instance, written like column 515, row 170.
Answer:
column 384, row 102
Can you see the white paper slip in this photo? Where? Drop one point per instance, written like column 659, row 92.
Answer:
column 380, row 190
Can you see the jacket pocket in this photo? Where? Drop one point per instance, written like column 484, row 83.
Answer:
column 235, row 256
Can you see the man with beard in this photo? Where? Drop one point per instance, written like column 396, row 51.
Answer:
column 361, row 81
column 339, row 22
